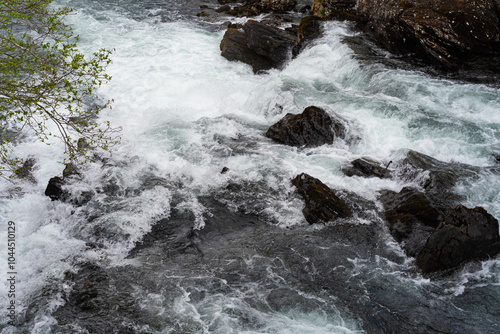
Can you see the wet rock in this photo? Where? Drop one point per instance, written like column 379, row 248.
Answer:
column 411, row 217
column 322, row 205
column 335, row 9
column 257, row 7
column 314, row 127
column 56, row 187
column 308, row 30
column 259, row 45
column 444, row 32
column 70, row 170
column 25, row 171
column 410, row 202
column 367, row 168
column 464, row 235
column 437, row 178
column 222, row 9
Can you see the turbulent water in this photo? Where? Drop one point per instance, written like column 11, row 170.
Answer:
column 169, row 244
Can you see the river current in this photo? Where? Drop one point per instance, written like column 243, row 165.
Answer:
column 169, row 244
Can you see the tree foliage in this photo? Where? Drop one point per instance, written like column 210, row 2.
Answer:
column 44, row 78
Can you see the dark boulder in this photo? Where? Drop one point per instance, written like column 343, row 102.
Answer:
column 410, row 202
column 322, row 205
column 54, row 188
column 222, row 9
column 464, row 235
column 367, row 168
column 437, row 178
column 335, row 9
column 259, row 45
column 443, row 31
column 257, row 7
column 309, row 29
column 313, row 127
column 57, row 190
column 411, row 218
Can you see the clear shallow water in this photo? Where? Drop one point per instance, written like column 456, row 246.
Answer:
column 186, row 112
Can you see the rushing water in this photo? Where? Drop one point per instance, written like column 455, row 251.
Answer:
column 186, row 113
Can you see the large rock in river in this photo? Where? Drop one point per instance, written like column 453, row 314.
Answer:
column 257, row 44
column 465, row 234
column 442, row 31
column 314, row 127
column 322, row 205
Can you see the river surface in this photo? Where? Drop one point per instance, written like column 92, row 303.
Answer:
column 169, row 244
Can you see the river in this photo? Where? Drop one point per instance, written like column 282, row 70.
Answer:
column 169, row 244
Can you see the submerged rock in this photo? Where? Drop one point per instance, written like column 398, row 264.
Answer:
column 465, row 234
column 322, row 205
column 314, row 127
column 441, row 31
column 257, row 44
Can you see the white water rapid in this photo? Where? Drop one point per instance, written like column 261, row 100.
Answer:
column 186, row 112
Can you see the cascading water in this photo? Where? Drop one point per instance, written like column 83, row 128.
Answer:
column 236, row 254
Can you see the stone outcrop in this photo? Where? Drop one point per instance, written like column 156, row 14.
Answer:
column 322, row 205
column 257, row 44
column 465, row 234
column 314, row 127
column 443, row 31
